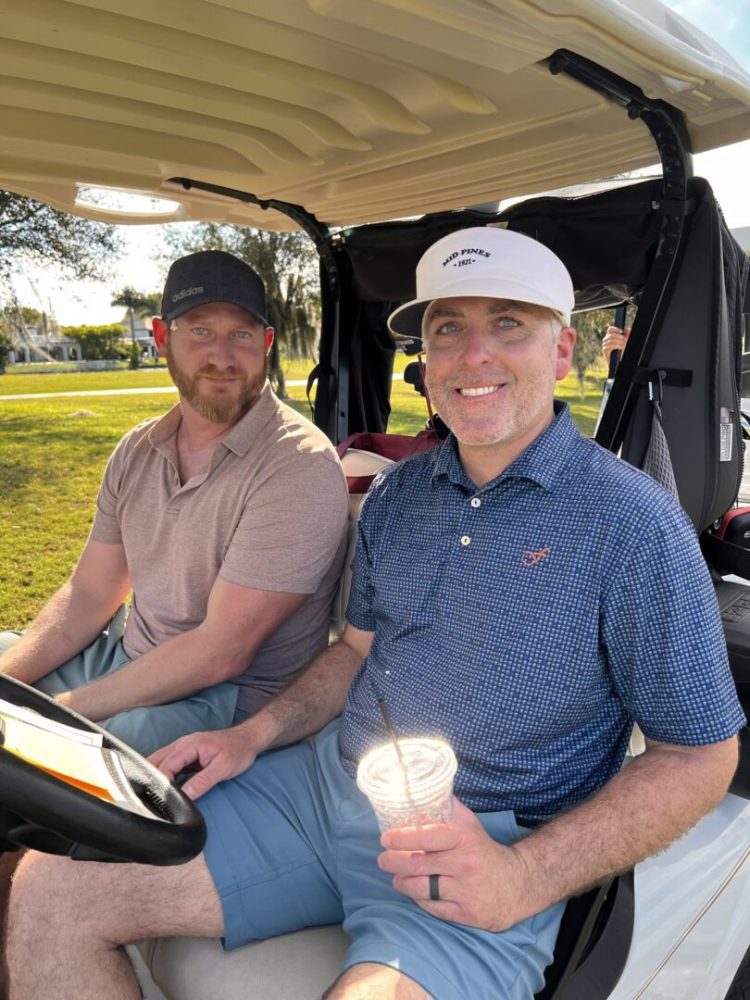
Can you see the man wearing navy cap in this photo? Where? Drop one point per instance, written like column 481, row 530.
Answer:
column 224, row 520
column 495, row 604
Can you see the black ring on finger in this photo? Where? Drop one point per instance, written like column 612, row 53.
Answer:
column 435, row 888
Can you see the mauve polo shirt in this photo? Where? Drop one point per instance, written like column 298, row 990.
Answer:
column 269, row 513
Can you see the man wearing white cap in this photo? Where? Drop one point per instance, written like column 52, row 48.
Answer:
column 512, row 286
column 495, row 605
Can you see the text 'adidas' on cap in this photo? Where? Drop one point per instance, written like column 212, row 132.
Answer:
column 212, row 276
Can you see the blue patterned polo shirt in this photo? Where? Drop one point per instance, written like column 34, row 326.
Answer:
column 531, row 621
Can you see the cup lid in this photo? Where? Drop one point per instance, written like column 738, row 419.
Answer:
column 430, row 765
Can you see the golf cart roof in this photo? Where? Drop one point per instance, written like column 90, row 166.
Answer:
column 359, row 110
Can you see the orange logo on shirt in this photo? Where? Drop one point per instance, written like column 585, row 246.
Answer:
column 529, row 558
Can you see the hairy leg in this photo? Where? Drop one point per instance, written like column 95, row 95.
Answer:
column 370, row 981
column 8, row 862
column 69, row 919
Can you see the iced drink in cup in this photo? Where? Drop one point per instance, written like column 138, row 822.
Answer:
column 426, row 796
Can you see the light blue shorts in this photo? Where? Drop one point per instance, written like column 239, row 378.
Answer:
column 293, row 843
column 144, row 729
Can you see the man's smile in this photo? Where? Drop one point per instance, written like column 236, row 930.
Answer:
column 477, row 390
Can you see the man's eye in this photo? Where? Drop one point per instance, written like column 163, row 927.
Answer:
column 507, row 323
column 446, row 329
column 199, row 331
column 244, row 334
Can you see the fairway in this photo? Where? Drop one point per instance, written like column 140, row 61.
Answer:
column 54, row 450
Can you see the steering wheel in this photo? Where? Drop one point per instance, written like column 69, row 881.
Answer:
column 41, row 811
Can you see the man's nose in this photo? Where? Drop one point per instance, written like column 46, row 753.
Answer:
column 221, row 352
column 475, row 346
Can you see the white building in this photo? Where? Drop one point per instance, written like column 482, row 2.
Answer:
column 40, row 343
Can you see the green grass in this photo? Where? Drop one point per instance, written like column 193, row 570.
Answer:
column 13, row 384
column 53, row 452
column 52, row 456
column 18, row 382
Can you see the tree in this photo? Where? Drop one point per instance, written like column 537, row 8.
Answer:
column 137, row 304
column 99, row 343
column 29, row 229
column 6, row 346
column 288, row 265
column 15, row 313
column 591, row 327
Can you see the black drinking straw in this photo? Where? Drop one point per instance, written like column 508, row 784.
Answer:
column 402, row 763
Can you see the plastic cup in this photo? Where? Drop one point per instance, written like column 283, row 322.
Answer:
column 430, row 767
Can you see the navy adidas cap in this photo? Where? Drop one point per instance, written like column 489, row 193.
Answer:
column 212, row 276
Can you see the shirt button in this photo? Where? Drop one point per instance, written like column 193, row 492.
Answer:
column 476, row 502
column 465, row 540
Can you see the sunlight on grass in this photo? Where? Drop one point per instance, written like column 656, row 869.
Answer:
column 52, row 458
column 141, row 378
column 54, row 450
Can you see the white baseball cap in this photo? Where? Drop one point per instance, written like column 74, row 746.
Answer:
column 489, row 263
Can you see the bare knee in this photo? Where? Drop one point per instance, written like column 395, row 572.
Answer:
column 36, row 912
column 372, row 981
column 45, row 897
column 108, row 904
column 36, row 883
column 65, row 902
column 58, row 931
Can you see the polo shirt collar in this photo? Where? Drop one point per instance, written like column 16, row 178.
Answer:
column 542, row 462
column 238, row 438
column 165, row 427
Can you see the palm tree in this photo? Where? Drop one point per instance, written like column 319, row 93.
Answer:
column 137, row 304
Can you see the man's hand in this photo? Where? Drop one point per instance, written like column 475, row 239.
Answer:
column 482, row 883
column 308, row 704
column 615, row 339
column 638, row 812
column 216, row 756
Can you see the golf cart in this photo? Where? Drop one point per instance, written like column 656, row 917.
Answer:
column 333, row 115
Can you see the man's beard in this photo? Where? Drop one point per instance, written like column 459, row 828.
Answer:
column 219, row 411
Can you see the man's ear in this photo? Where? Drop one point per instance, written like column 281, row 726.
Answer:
column 565, row 344
column 269, row 338
column 160, row 329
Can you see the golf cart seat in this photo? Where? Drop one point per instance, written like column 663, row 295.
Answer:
column 360, row 467
column 363, row 457
column 591, row 951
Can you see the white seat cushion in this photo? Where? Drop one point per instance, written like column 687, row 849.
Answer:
column 358, row 465
column 298, row 966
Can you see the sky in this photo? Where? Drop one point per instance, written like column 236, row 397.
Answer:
column 73, row 303
column 726, row 21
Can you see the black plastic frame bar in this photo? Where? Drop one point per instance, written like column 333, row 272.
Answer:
column 667, row 127
column 320, row 234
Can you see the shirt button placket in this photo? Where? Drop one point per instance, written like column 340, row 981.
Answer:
column 466, row 539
